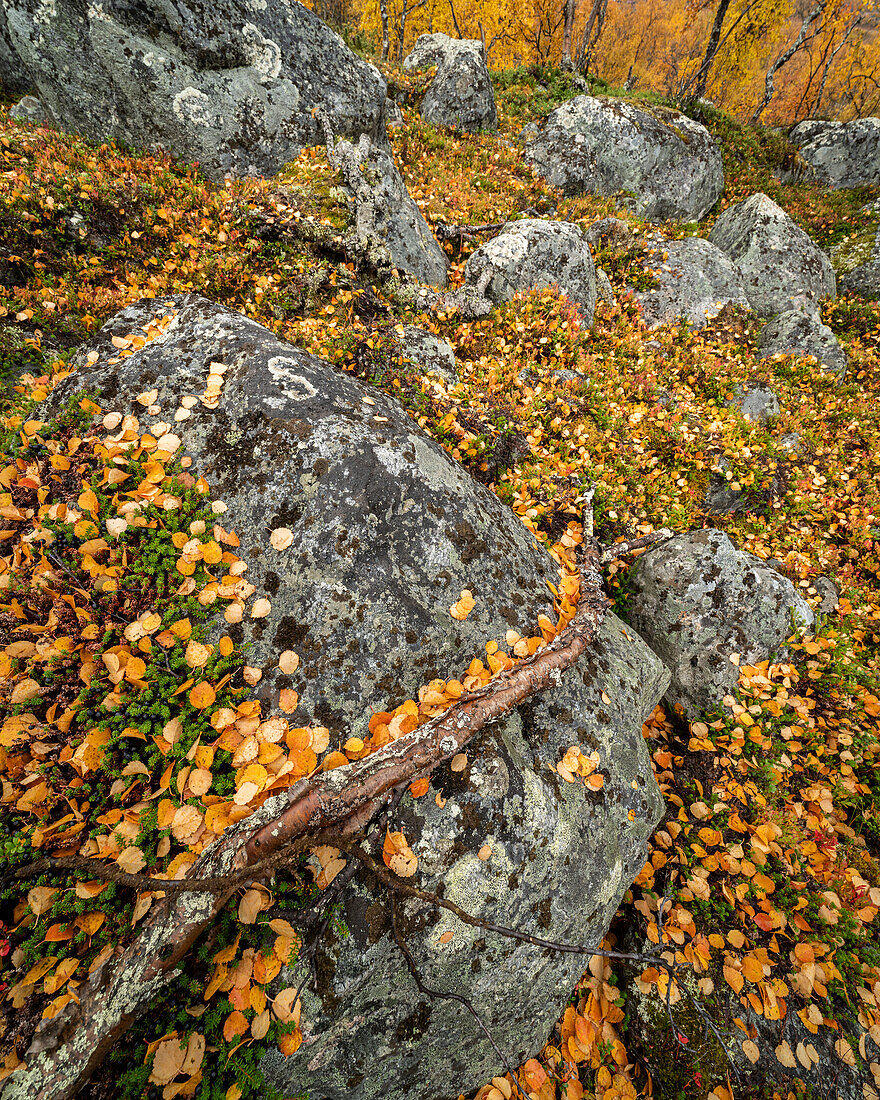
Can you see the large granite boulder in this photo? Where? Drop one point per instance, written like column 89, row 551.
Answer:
column 461, row 93
column 385, row 213
column 233, row 84
column 531, row 254
column 664, row 164
column 841, row 154
column 13, row 78
column 801, row 332
column 695, row 281
column 383, row 531
column 857, row 264
column 697, row 600
column 780, row 265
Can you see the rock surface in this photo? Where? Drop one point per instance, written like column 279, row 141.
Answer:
column 696, row 600
column 857, row 263
column 461, row 93
column 668, row 165
column 801, row 332
column 780, row 265
column 231, row 84
column 386, row 214
column 532, row 254
column 431, row 352
column 757, row 403
column 387, row 529
column 13, row 78
column 841, row 154
column 28, row 109
column 696, row 281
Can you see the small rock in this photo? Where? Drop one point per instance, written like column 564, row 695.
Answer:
column 386, row 214
column 665, row 165
column 857, row 263
column 28, row 109
column 757, row 403
column 780, row 265
column 393, row 114
column 461, row 94
column 531, row 254
column 698, row 601
column 604, row 288
column 430, row 352
column 841, row 154
column 695, row 282
column 792, row 443
column 829, row 594
column 801, row 332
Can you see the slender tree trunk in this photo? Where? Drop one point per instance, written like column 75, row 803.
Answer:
column 711, row 48
column 849, row 30
column 570, row 11
column 383, row 15
column 802, row 40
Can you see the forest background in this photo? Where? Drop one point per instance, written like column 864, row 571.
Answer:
column 773, row 61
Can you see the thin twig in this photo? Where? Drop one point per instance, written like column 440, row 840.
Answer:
column 446, row 996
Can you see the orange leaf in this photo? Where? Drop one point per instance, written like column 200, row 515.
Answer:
column 236, row 1024
column 202, row 695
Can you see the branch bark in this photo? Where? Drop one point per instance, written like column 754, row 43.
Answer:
column 66, row 1050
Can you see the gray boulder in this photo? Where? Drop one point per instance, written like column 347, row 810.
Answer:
column 697, row 600
column 667, row 165
column 385, row 531
column 780, row 265
column 28, row 109
column 432, row 353
column 232, row 84
column 841, row 154
column 13, row 78
column 696, row 281
column 385, row 213
column 461, row 93
column 857, row 263
column 531, row 254
column 801, row 332
column 756, row 403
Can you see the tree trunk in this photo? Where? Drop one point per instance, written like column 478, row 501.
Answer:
column 570, row 11
column 383, row 15
column 711, row 49
column 802, row 40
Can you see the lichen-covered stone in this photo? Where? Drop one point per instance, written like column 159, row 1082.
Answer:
column 232, row 84
column 386, row 214
column 532, row 254
column 780, row 265
column 432, row 353
column 801, row 332
column 28, row 109
column 13, row 78
column 461, row 94
column 665, row 165
column 857, row 263
column 387, row 530
column 841, row 154
column 697, row 600
column 756, row 402
column 695, row 281
column 559, row 860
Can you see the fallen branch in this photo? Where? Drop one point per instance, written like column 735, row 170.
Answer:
column 65, row 1051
